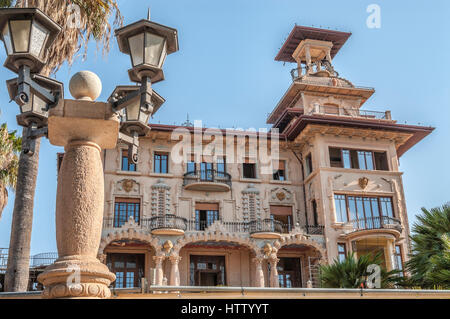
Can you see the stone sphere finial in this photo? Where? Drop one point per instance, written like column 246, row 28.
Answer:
column 85, row 85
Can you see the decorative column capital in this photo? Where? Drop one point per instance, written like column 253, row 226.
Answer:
column 159, row 259
column 258, row 260
column 174, row 259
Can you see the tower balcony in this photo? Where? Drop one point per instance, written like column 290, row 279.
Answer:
column 207, row 180
column 351, row 113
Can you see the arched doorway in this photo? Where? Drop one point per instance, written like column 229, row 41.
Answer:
column 298, row 264
column 212, row 262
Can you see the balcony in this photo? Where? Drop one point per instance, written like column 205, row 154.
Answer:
column 266, row 229
column 207, row 180
column 166, row 225
column 351, row 113
column 383, row 224
column 174, row 225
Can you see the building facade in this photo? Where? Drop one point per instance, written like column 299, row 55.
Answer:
column 217, row 211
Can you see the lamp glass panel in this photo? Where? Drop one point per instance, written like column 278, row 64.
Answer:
column 137, row 48
column 38, row 38
column 7, row 39
column 133, row 110
column 39, row 105
column 154, row 46
column 20, row 31
column 144, row 116
column 27, row 107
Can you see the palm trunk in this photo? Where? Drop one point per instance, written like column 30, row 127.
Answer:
column 17, row 272
column 3, row 198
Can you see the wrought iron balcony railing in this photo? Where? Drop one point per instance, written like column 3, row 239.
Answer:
column 266, row 226
column 205, row 180
column 165, row 222
column 176, row 222
column 383, row 222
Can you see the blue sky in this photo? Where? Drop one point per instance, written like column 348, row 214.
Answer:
column 225, row 75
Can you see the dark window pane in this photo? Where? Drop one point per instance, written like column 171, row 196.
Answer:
column 381, row 162
column 335, row 157
column 249, row 170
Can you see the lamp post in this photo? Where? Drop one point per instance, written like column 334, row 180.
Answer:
column 84, row 127
column 148, row 44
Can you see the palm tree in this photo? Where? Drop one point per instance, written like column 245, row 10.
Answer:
column 353, row 272
column 94, row 24
column 429, row 263
column 10, row 146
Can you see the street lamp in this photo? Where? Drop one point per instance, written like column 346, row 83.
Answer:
column 134, row 115
column 27, row 34
column 34, row 114
column 148, row 44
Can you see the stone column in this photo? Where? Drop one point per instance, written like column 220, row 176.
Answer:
column 274, row 282
column 84, row 128
column 258, row 279
column 159, row 273
column 174, row 270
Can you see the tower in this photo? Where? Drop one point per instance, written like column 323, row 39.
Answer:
column 351, row 178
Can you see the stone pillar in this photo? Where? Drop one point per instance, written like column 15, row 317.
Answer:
column 274, row 281
column 258, row 279
column 159, row 273
column 308, row 60
column 390, row 265
column 84, row 128
column 174, row 270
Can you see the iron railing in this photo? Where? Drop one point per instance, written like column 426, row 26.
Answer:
column 336, row 111
column 206, row 175
column 166, row 222
column 176, row 222
column 36, row 261
column 233, row 227
column 383, row 222
column 266, row 225
column 315, row 229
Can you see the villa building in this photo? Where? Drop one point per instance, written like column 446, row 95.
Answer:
column 220, row 219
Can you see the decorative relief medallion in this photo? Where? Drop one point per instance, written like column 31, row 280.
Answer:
column 363, row 182
column 128, row 185
column 281, row 196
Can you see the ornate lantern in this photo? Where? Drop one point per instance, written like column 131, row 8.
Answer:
column 27, row 34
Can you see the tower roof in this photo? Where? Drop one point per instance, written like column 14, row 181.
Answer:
column 300, row 33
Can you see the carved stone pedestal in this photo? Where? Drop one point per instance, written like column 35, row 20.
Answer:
column 84, row 128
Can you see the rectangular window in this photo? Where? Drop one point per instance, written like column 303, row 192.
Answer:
column 282, row 214
column 364, row 212
column 161, row 163
column 249, row 169
column 342, row 251
column 365, row 160
column 205, row 215
column 190, row 165
column 221, row 166
column 206, row 171
column 124, row 208
column 335, row 157
column 126, row 164
column 280, row 174
column 381, row 162
column 399, row 258
column 308, row 165
column 358, row 159
column 341, row 208
column 346, row 159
